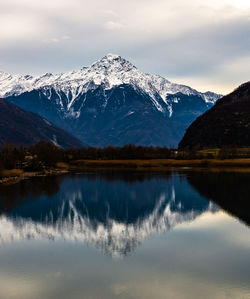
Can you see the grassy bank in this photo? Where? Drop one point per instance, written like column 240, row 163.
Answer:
column 45, row 158
column 16, row 175
column 156, row 164
column 13, row 176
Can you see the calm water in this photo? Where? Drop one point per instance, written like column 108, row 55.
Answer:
column 123, row 235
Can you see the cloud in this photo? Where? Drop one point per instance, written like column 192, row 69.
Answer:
column 194, row 40
column 14, row 28
column 57, row 39
column 110, row 25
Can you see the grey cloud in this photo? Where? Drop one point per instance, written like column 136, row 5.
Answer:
column 174, row 39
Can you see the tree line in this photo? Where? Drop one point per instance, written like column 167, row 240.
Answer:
column 45, row 154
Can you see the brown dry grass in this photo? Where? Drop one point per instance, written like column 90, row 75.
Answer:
column 62, row 165
column 240, row 151
column 156, row 164
column 15, row 175
column 11, row 173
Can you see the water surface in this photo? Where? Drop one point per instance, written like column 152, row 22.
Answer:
column 126, row 235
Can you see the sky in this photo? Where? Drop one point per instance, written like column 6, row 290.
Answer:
column 201, row 43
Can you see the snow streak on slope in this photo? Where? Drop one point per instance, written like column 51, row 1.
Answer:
column 112, row 70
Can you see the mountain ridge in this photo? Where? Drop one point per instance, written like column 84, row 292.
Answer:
column 110, row 102
column 112, row 70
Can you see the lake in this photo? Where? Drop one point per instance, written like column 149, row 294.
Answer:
column 180, row 234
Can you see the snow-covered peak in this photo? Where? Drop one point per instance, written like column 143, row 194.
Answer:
column 110, row 71
column 112, row 63
column 111, row 56
column 110, row 59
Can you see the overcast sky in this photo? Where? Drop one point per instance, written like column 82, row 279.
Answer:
column 201, row 43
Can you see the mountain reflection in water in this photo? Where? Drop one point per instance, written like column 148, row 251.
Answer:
column 112, row 211
column 230, row 190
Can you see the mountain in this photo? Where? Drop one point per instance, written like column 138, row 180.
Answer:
column 22, row 127
column 110, row 102
column 227, row 123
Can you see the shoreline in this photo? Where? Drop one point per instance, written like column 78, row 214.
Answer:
column 215, row 165
column 28, row 175
column 160, row 164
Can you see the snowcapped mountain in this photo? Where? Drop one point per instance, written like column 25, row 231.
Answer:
column 104, row 94
column 112, row 70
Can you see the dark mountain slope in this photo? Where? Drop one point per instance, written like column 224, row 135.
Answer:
column 117, row 116
column 21, row 127
column 227, row 123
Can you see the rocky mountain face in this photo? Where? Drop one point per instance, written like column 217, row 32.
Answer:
column 227, row 123
column 25, row 128
column 110, row 102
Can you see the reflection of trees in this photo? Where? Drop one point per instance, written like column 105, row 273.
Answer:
column 30, row 190
column 13, row 195
column 127, row 176
column 231, row 191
